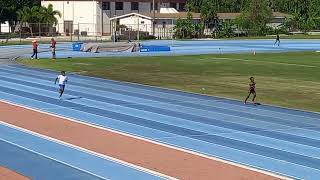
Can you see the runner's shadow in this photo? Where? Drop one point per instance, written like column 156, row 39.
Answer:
column 73, row 98
column 254, row 104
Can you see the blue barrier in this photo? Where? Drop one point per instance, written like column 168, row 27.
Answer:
column 77, row 46
column 152, row 48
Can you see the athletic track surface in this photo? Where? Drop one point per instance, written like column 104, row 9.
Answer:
column 104, row 129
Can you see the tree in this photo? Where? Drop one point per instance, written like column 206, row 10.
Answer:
column 226, row 30
column 306, row 13
column 30, row 16
column 48, row 15
column 185, row 27
column 36, row 15
column 9, row 9
column 255, row 17
column 294, row 22
column 217, row 5
column 209, row 14
column 194, row 5
column 314, row 14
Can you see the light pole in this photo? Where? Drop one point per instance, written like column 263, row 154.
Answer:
column 138, row 33
column 101, row 18
column 154, row 17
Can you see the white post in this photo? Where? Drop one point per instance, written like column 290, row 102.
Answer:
column 93, row 19
column 138, row 33
column 171, row 32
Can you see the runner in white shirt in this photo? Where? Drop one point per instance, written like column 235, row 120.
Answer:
column 63, row 79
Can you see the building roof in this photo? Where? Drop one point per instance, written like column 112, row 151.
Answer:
column 184, row 15
column 130, row 14
column 181, row 15
column 168, row 10
column 280, row 14
column 228, row 15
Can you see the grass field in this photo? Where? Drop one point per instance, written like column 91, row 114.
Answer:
column 286, row 79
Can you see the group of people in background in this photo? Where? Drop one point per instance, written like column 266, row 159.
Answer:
column 35, row 45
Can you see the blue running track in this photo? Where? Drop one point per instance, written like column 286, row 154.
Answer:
column 271, row 138
column 191, row 47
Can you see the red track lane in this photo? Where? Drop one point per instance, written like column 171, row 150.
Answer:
column 159, row 158
column 7, row 174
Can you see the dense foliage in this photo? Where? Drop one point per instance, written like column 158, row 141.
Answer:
column 185, row 28
column 216, row 5
column 255, row 14
column 9, row 9
column 254, row 17
column 27, row 11
column 38, row 16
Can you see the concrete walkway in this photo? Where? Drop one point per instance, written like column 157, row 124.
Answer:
column 8, row 54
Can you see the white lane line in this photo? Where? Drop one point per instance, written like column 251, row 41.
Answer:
column 57, row 108
column 48, row 157
column 270, row 137
column 109, row 158
column 273, row 174
column 226, row 114
column 206, row 142
column 274, row 138
column 177, row 103
column 246, row 132
column 141, row 86
column 154, row 89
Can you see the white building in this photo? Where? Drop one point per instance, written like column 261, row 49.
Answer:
column 165, row 22
column 4, row 27
column 102, row 17
column 87, row 16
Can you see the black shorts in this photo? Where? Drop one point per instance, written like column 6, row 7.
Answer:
column 252, row 91
column 61, row 86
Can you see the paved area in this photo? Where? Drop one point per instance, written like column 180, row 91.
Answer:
column 8, row 53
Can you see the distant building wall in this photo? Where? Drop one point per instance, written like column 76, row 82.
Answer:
column 88, row 16
column 5, row 28
column 77, row 16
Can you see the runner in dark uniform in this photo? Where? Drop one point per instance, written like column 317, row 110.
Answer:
column 53, row 48
column 35, row 49
column 277, row 40
column 252, row 90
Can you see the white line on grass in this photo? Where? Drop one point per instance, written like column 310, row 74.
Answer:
column 267, row 62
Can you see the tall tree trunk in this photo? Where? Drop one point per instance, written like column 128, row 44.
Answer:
column 12, row 26
column 31, row 32
column 30, row 27
column 0, row 19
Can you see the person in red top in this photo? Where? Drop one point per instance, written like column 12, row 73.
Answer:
column 53, row 48
column 35, row 49
column 252, row 90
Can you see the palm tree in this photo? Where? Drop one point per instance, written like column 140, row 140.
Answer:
column 37, row 15
column 49, row 16
column 25, row 16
